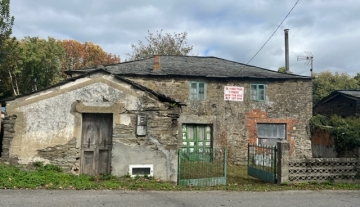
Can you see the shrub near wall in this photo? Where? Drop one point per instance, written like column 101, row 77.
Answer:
column 344, row 132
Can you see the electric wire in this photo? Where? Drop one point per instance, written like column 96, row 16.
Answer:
column 272, row 33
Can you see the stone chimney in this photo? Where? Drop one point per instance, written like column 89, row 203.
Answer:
column 156, row 62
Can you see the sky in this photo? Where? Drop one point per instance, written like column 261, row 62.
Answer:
column 230, row 29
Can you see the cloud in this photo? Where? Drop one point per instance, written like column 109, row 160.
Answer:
column 229, row 29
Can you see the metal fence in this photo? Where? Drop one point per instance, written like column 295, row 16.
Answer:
column 262, row 162
column 202, row 168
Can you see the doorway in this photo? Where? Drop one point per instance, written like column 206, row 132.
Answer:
column 96, row 142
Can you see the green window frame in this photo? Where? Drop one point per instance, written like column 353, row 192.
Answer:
column 197, row 91
column 257, row 92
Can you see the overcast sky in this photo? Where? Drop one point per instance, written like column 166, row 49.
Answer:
column 229, row 29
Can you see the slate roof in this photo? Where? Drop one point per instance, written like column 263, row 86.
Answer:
column 195, row 66
column 353, row 94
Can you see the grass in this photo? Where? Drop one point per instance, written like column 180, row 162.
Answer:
column 39, row 176
column 190, row 170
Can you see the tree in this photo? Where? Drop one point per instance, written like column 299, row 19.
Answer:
column 160, row 44
column 34, row 63
column 6, row 23
column 357, row 77
column 78, row 55
column 282, row 69
column 326, row 82
column 39, row 63
column 9, row 68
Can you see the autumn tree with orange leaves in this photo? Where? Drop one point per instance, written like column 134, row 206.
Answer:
column 34, row 63
column 83, row 55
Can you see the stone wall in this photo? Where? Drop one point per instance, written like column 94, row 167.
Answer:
column 234, row 123
column 48, row 126
column 66, row 156
column 158, row 147
column 9, row 132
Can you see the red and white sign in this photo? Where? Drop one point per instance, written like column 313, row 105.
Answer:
column 233, row 93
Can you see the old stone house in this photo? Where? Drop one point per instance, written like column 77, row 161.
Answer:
column 136, row 115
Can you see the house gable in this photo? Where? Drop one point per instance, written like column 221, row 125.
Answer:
column 49, row 123
column 94, row 77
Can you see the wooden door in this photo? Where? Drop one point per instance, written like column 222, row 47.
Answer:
column 96, row 143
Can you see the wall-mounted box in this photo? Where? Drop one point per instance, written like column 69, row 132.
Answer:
column 141, row 124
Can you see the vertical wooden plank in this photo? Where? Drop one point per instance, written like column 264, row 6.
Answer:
column 103, row 161
column 87, row 162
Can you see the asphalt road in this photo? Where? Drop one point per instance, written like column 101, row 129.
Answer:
column 70, row 198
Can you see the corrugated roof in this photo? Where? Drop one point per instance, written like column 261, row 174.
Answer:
column 194, row 66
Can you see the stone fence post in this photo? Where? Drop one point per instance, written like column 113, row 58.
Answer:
column 282, row 161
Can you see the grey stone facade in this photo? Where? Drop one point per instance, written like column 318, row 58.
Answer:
column 50, row 121
column 287, row 101
column 47, row 126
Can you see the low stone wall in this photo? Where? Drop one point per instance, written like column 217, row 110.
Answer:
column 324, row 169
column 66, row 156
column 315, row 169
column 9, row 122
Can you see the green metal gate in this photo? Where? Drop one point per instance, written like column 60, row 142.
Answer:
column 206, row 168
column 262, row 162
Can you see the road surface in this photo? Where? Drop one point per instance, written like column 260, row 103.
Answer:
column 108, row 198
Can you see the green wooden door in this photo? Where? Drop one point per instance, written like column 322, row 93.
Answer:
column 196, row 141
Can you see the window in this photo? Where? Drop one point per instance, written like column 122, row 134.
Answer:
column 196, row 139
column 270, row 134
column 257, row 92
column 141, row 170
column 197, row 91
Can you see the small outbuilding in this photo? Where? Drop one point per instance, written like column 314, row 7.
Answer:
column 343, row 103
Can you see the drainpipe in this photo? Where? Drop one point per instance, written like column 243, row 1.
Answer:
column 286, row 31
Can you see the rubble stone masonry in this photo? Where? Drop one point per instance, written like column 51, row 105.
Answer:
column 287, row 101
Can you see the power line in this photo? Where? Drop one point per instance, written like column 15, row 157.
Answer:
column 272, row 33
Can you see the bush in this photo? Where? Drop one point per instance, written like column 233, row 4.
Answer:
column 344, row 131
